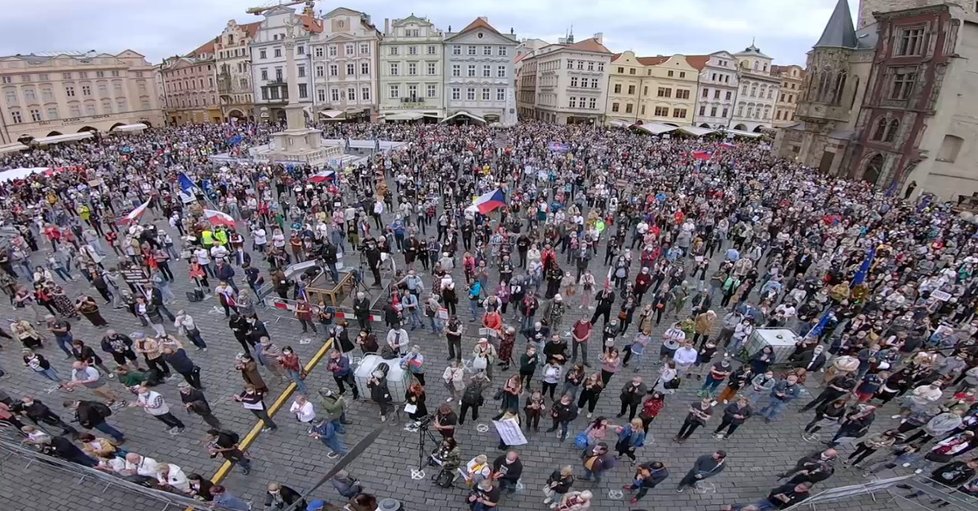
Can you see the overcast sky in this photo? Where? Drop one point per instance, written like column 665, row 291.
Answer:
column 784, row 29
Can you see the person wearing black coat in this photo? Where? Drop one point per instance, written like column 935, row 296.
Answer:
column 856, row 424
column 603, row 301
column 280, row 497
column 195, row 402
column 239, row 327
column 810, row 360
column 92, row 415
column 39, row 412
column 61, row 447
column 647, row 476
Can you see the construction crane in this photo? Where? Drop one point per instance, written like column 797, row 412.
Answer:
column 310, row 4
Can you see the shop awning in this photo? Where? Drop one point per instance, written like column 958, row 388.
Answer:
column 70, row 137
column 742, row 133
column 655, row 128
column 21, row 173
column 12, row 148
column 126, row 128
column 696, row 131
column 405, row 116
column 617, row 123
column 464, row 114
column 332, row 115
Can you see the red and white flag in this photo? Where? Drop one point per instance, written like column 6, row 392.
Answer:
column 138, row 212
column 217, row 218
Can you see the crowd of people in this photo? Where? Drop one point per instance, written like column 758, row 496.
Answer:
column 612, row 248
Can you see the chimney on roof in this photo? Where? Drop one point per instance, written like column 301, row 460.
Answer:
column 387, row 25
column 599, row 37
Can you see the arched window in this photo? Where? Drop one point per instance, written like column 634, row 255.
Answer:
column 855, row 92
column 840, row 87
column 823, row 78
column 891, row 131
column 880, row 129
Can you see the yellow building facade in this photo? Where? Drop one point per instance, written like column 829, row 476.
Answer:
column 658, row 89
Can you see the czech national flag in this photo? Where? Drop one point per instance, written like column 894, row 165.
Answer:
column 217, row 218
column 487, row 203
column 727, row 144
column 138, row 212
column 323, row 177
column 701, row 155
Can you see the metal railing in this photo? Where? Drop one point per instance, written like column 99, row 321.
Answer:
column 10, row 450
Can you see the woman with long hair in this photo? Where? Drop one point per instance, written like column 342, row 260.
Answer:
column 590, row 392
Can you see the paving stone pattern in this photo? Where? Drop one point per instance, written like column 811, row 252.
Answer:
column 756, row 452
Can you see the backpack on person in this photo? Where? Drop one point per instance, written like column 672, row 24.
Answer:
column 102, row 409
column 444, row 478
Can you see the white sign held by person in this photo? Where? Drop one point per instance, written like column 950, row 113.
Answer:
column 510, row 432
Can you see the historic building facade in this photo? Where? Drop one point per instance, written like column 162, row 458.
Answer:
column 58, row 94
column 479, row 77
column 345, row 66
column 718, row 86
column 652, row 89
column 755, row 105
column 232, row 59
column 792, row 81
column 268, row 60
column 571, row 81
column 190, row 87
column 411, row 70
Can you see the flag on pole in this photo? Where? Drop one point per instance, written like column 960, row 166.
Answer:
column 186, row 184
column 822, row 323
column 702, row 155
column 217, row 218
column 489, row 202
column 138, row 212
column 863, row 271
column 235, row 140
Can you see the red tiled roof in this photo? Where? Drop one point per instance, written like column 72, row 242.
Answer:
column 204, row 49
column 310, row 23
column 479, row 22
column 697, row 61
column 590, row 44
column 251, row 28
column 652, row 61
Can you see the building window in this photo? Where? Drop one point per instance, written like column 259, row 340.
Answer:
column 351, row 94
column 911, row 42
column 573, row 82
column 277, row 52
column 364, row 49
column 456, row 49
column 486, row 71
column 320, row 71
column 706, row 93
column 580, row 65
column 364, row 69
column 470, row 92
column 456, row 71
column 487, row 51
column 570, row 64
column 395, row 69
column 614, row 107
column 891, row 131
column 486, row 95
column 35, row 115
column 318, row 51
column 631, row 90
column 628, row 108
column 621, row 70
column 592, row 103
column 664, row 92
column 393, row 50
column 395, row 91
column 332, row 50
column 53, row 113
column 456, row 93
column 321, row 95
column 301, row 50
column 501, row 93
column 15, row 117
column 471, row 49
column 432, row 90
column 301, row 71
column 902, row 84
column 365, row 94
column 432, row 70
column 351, row 69
column 470, row 71
column 617, row 87
column 350, row 49
column 702, row 110
column 413, row 92
column 594, row 83
column 262, row 54
column 682, row 93
column 679, row 113
column 501, row 72
column 303, row 91
column 716, row 94
column 264, row 75
column 631, row 71
column 572, row 102
column 713, row 111
column 643, row 110
column 662, row 111
column 503, row 51
column 412, row 69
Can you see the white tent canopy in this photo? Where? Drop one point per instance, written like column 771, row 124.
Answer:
column 12, row 148
column 21, row 173
column 125, row 128
column 71, row 137
column 405, row 116
column 466, row 114
column 332, row 115
column 696, row 131
column 618, row 123
column 742, row 133
column 656, row 128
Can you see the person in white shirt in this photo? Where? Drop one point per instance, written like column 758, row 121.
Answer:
column 397, row 339
column 685, row 357
column 140, row 465
column 173, row 477
column 260, row 239
column 303, row 409
column 672, row 339
column 155, row 405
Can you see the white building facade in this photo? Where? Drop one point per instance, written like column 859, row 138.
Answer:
column 411, row 70
column 345, row 66
column 717, row 92
column 759, row 89
column 268, row 61
column 571, row 82
column 479, row 77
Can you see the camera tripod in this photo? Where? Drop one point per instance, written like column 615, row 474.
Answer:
column 424, row 431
